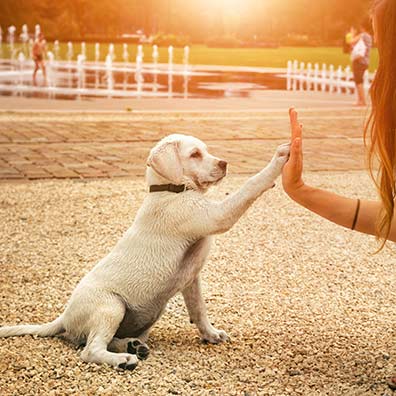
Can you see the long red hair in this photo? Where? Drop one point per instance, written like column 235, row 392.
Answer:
column 381, row 125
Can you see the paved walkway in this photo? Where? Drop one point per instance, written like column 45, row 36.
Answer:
column 42, row 145
column 257, row 101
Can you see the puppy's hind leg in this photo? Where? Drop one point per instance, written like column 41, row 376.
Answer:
column 104, row 325
column 135, row 346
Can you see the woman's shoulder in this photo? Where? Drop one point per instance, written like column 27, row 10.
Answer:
column 366, row 37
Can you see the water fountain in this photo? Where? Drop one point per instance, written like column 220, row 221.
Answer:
column 30, row 47
column 125, row 57
column 97, row 59
column 80, row 72
column 140, row 51
column 170, row 71
column 37, row 31
column 348, row 77
column 51, row 79
column 97, row 52
column 111, row 52
column 139, row 71
column 24, row 36
column 155, row 55
column 81, row 58
column 125, row 54
column 83, row 50
column 11, row 40
column 186, row 55
column 21, row 63
column 79, row 75
column 155, row 68
column 109, row 72
column 56, row 50
column 69, row 56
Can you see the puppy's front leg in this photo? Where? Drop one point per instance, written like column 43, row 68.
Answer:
column 197, row 311
column 226, row 213
column 205, row 217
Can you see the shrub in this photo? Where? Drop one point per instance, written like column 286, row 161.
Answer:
column 297, row 40
column 223, row 42
column 164, row 40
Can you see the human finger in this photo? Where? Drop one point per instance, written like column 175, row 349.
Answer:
column 296, row 127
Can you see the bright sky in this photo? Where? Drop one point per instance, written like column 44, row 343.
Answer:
column 227, row 5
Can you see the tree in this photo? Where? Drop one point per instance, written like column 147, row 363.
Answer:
column 322, row 20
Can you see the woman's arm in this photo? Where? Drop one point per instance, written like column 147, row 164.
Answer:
column 355, row 39
column 333, row 207
column 338, row 209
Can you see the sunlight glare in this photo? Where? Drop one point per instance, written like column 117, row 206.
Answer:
column 227, row 5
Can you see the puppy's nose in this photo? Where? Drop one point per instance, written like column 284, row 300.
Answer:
column 223, row 165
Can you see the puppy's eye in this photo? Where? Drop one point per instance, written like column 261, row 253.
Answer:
column 196, row 154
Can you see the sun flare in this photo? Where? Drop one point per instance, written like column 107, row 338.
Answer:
column 226, row 6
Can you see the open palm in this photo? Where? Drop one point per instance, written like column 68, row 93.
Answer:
column 292, row 171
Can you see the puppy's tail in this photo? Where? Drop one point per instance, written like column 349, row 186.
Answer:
column 44, row 330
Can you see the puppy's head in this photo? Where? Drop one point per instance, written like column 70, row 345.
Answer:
column 181, row 159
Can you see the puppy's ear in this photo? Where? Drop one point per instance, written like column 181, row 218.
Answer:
column 165, row 160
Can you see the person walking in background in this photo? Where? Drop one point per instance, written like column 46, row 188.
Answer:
column 38, row 52
column 360, row 56
column 369, row 217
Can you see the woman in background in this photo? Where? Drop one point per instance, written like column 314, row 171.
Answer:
column 369, row 217
column 360, row 55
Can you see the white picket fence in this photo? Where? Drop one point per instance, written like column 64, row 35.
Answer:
column 308, row 77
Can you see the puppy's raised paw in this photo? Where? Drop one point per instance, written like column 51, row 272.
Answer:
column 280, row 158
column 283, row 152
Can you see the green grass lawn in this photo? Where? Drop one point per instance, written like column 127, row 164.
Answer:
column 200, row 54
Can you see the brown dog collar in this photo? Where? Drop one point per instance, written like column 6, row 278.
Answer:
column 168, row 187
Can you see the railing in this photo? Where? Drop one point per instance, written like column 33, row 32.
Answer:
column 301, row 77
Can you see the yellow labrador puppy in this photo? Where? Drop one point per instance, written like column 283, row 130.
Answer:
column 114, row 306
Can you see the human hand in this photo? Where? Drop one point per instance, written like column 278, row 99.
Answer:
column 292, row 171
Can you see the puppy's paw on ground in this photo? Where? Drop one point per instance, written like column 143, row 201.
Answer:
column 126, row 366
column 127, row 361
column 215, row 337
column 138, row 348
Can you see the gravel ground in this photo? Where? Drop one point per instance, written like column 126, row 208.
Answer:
column 309, row 309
